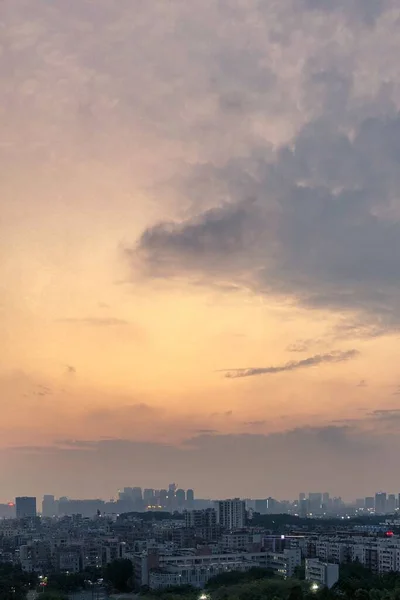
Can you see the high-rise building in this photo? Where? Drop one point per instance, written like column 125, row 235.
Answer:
column 163, row 498
column 303, row 508
column 148, row 497
column 232, row 513
column 302, row 496
column 25, row 507
column 180, row 498
column 137, row 493
column 201, row 518
column 315, row 502
column 189, row 498
column 369, row 503
column 171, row 498
column 49, row 506
column 391, row 504
column 124, row 495
column 261, row 506
column 274, row 506
column 380, row 503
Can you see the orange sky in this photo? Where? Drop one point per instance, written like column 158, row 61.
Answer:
column 184, row 191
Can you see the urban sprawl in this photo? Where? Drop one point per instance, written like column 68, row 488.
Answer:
column 172, row 539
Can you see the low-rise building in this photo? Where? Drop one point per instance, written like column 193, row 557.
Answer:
column 320, row 573
column 163, row 570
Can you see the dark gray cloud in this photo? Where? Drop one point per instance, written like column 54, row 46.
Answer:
column 317, row 228
column 387, row 413
column 313, row 361
column 315, row 219
column 277, row 175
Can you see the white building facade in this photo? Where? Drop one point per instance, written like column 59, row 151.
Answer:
column 321, row 573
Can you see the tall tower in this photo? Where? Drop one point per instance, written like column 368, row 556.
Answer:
column 232, row 513
column 189, row 499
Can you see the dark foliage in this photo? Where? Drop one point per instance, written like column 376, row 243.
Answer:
column 119, row 573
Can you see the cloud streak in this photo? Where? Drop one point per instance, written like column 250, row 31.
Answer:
column 96, row 321
column 313, row 361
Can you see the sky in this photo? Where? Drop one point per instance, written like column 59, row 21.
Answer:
column 199, row 246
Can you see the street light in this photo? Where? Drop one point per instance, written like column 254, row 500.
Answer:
column 314, row 587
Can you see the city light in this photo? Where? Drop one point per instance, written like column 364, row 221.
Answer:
column 314, row 587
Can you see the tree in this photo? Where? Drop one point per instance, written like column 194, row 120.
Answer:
column 236, row 577
column 296, row 593
column 53, row 596
column 361, row 595
column 300, row 572
column 14, row 583
column 118, row 573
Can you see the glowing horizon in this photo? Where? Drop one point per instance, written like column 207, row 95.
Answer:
column 199, row 246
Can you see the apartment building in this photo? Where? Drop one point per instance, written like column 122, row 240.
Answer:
column 232, row 513
column 321, row 573
column 195, row 569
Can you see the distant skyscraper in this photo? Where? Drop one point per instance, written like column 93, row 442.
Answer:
column 315, row 502
column 303, row 508
column 163, row 498
column 137, row 493
column 190, row 498
column 261, row 506
column 325, row 499
column 49, row 506
column 369, row 502
column 391, row 504
column 232, row 513
column 302, row 496
column 25, row 507
column 180, row 498
column 380, row 503
column 148, row 497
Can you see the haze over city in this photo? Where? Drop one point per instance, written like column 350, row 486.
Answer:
column 199, row 246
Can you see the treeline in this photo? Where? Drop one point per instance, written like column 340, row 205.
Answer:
column 117, row 575
column 360, row 583
column 156, row 515
column 14, row 583
column 283, row 521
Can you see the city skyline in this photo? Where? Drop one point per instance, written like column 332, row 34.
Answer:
column 199, row 246
column 177, row 497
